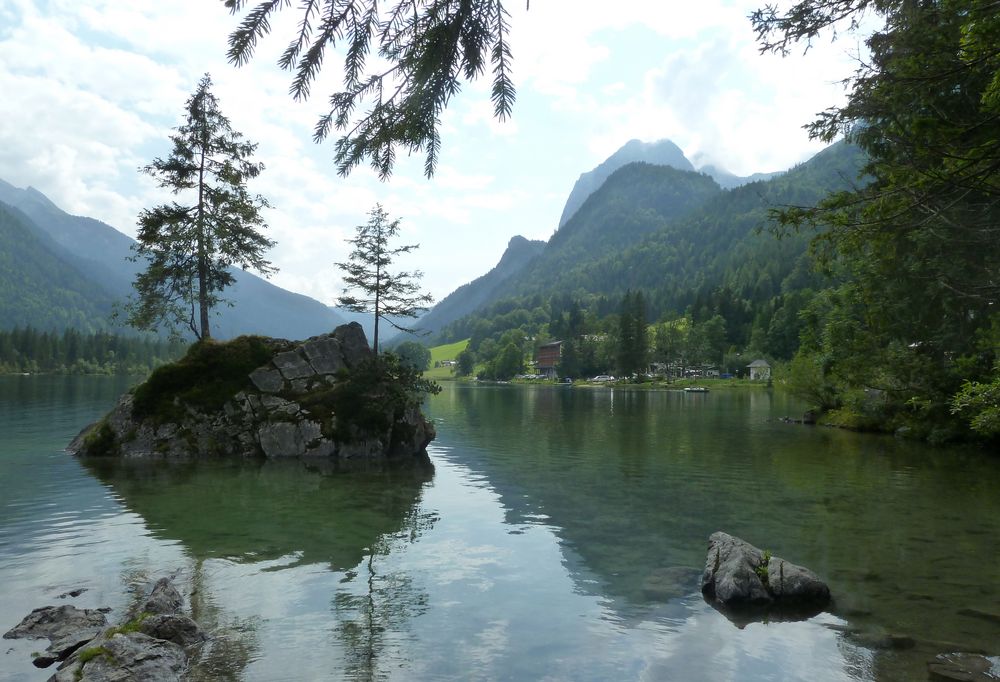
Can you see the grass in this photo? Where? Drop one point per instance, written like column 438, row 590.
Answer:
column 208, row 375
column 448, row 351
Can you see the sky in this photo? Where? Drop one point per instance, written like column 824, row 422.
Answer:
column 91, row 89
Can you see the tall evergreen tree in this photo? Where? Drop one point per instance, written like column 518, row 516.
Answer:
column 633, row 341
column 385, row 293
column 190, row 247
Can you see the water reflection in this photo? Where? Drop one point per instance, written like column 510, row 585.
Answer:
column 633, row 482
column 285, row 518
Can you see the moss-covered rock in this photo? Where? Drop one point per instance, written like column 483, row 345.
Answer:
column 259, row 397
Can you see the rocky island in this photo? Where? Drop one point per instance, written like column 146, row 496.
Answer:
column 257, row 397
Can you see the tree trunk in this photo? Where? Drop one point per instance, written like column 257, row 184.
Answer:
column 202, row 256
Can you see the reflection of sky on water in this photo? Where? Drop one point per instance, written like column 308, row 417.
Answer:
column 478, row 574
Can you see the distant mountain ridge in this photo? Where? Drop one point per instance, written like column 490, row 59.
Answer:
column 98, row 254
column 661, row 153
column 465, row 299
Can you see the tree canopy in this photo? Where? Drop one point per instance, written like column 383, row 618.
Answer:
column 403, row 62
column 916, row 242
column 189, row 248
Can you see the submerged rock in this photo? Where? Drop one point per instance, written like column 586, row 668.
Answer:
column 744, row 582
column 268, row 398
column 964, row 667
column 152, row 647
column 66, row 627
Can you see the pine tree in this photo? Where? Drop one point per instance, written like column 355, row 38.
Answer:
column 190, row 248
column 386, row 293
column 426, row 49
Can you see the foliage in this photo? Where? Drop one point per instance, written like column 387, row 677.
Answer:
column 208, row 375
column 915, row 241
column 761, row 568
column 72, row 352
column 101, row 441
column 189, row 248
column 417, row 355
column 426, row 49
column 373, row 398
column 633, row 337
column 387, row 294
column 979, row 404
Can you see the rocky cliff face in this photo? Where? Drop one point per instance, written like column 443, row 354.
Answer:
column 312, row 399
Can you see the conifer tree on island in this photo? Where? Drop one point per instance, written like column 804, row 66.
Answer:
column 190, row 247
column 384, row 293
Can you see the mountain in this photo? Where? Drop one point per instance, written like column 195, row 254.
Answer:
column 637, row 200
column 39, row 286
column 662, row 153
column 98, row 254
column 468, row 297
column 687, row 244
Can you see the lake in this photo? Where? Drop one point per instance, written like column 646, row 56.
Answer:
column 555, row 533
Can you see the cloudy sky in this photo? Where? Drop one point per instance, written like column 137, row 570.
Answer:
column 90, row 89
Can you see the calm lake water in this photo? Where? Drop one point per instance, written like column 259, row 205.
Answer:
column 556, row 533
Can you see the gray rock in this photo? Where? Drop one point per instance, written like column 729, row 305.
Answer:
column 735, row 577
column 172, row 627
column 275, row 405
column 963, row 667
column 66, row 627
column 324, row 448
column 324, row 354
column 163, row 599
column 256, row 422
column 281, row 439
column 128, row 657
column 292, row 365
column 267, row 379
column 353, row 343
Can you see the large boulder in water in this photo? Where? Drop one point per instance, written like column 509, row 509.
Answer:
column 270, row 398
column 743, row 582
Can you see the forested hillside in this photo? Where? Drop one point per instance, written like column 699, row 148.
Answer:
column 468, row 297
column 691, row 248
column 39, row 283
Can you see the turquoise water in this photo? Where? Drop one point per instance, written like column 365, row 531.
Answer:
column 555, row 533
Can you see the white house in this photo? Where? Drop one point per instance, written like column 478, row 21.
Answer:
column 759, row 370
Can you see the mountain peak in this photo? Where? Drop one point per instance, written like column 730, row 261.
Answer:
column 660, row 153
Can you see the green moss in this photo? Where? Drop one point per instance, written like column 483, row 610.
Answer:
column 204, row 379
column 133, row 625
column 87, row 655
column 101, row 441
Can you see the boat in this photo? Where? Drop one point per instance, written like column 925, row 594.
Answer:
column 695, row 389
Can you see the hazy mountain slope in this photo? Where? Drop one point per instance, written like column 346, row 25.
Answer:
column 729, row 180
column 519, row 253
column 662, row 153
column 38, row 287
column 99, row 253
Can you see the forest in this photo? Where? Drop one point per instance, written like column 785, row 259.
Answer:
column 28, row 350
